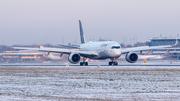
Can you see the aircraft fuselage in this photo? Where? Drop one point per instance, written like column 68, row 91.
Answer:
column 105, row 49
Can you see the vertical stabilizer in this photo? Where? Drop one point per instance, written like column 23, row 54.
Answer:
column 81, row 33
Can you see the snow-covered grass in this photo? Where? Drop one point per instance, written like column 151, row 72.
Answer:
column 90, row 83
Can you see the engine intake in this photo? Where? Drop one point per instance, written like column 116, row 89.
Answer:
column 131, row 57
column 74, row 58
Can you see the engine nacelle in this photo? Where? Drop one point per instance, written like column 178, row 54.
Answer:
column 74, row 58
column 131, row 57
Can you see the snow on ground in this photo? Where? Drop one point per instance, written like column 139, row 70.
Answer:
column 90, row 83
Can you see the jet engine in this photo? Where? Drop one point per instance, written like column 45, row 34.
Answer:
column 131, row 57
column 74, row 58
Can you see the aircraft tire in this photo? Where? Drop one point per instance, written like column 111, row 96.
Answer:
column 86, row 63
column 115, row 63
column 81, row 63
column 110, row 63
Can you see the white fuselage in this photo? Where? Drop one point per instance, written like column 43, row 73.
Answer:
column 104, row 49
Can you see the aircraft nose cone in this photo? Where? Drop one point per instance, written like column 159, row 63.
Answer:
column 117, row 53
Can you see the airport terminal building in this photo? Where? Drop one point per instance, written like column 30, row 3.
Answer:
column 158, row 41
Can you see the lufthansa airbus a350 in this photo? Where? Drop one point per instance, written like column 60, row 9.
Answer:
column 97, row 51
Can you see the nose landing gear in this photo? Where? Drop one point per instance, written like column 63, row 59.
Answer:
column 113, row 63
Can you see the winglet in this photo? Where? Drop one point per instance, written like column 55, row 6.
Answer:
column 81, row 33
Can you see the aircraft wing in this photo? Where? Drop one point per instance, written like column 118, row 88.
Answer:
column 69, row 46
column 150, row 57
column 135, row 49
column 59, row 50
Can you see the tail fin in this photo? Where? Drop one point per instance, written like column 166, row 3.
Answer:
column 83, row 40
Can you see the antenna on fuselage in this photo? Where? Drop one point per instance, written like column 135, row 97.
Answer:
column 83, row 40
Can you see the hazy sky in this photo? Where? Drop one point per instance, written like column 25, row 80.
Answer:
column 50, row 21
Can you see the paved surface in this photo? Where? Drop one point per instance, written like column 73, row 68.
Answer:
column 92, row 64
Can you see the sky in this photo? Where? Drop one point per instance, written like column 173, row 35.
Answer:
column 57, row 21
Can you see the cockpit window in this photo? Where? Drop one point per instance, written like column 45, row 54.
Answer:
column 115, row 47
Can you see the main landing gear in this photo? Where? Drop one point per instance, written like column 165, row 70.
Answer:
column 113, row 63
column 84, row 63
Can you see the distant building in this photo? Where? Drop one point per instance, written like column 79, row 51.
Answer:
column 16, row 56
column 142, row 44
column 158, row 41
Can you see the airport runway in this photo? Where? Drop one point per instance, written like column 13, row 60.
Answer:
column 63, row 65
column 92, row 64
column 94, row 82
column 160, row 65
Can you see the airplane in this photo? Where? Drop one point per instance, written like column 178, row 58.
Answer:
column 97, row 51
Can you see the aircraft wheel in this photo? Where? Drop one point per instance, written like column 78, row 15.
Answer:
column 115, row 63
column 81, row 63
column 110, row 63
column 86, row 63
